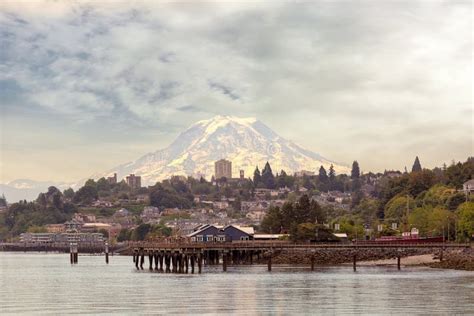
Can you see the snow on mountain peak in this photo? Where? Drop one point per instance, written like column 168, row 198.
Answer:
column 246, row 142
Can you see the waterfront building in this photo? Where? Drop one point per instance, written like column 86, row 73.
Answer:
column 133, row 181
column 66, row 238
column 223, row 169
column 215, row 233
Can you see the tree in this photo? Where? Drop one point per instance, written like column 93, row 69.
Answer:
column 355, row 172
column 272, row 222
column 396, row 209
column 332, row 173
column 465, row 223
column 140, row 232
column 124, row 235
column 256, row 177
column 69, row 193
column 86, row 195
column 416, row 165
column 323, row 176
column 267, row 176
column 3, row 201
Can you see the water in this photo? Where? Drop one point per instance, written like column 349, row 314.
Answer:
column 48, row 284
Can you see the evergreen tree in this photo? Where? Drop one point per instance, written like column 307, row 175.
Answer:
column 323, row 176
column 355, row 172
column 256, row 177
column 267, row 176
column 332, row 173
column 416, row 165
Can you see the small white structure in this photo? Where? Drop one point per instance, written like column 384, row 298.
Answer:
column 468, row 186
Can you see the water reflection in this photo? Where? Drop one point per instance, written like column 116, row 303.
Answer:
column 48, row 283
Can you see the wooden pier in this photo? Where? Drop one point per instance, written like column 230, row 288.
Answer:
column 185, row 257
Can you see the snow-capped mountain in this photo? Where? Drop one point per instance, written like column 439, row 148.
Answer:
column 246, row 142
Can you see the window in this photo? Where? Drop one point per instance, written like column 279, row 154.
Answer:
column 244, row 238
column 210, row 237
column 221, row 238
column 199, row 238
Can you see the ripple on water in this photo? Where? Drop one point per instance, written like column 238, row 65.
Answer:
column 47, row 283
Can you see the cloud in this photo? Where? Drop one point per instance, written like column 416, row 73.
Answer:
column 319, row 73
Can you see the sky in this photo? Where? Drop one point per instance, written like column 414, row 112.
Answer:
column 86, row 86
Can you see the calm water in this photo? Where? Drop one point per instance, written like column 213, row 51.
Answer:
column 47, row 283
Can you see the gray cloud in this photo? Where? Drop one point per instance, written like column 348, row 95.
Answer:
column 339, row 78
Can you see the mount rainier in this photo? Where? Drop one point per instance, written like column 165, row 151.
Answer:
column 246, row 142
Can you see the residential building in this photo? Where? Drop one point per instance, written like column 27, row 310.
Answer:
column 84, row 218
column 55, row 228
column 223, row 169
column 73, row 225
column 150, row 213
column 133, row 181
column 468, row 186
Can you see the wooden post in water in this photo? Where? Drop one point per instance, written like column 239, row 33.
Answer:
column 186, row 263
column 155, row 255
column 167, row 261
column 71, row 253
column 312, row 262
column 192, row 262
column 174, row 261
column 224, row 261
column 398, row 262
column 200, row 262
column 354, row 264
column 150, row 260
column 161, row 257
column 136, row 258
column 142, row 258
column 269, row 264
column 106, row 252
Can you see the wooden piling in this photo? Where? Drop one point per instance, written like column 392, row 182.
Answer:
column 398, row 262
column 354, row 263
column 168, row 261
column 142, row 258
column 193, row 259
column 150, row 260
column 224, row 261
column 269, row 263
column 161, row 257
column 312, row 262
column 199, row 262
column 107, row 253
column 136, row 256
column 156, row 255
column 186, row 263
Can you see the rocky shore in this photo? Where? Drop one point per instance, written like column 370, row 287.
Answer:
column 456, row 259
column 332, row 256
column 452, row 259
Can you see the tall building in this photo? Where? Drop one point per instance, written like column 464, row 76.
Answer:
column 133, row 181
column 223, row 169
column 112, row 180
